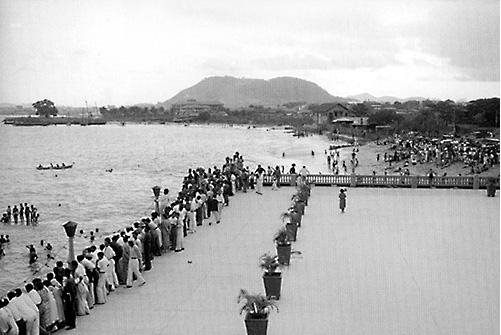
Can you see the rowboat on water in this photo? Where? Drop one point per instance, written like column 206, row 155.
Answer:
column 56, row 167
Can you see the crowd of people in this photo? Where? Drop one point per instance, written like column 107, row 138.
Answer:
column 338, row 166
column 54, row 301
column 473, row 153
column 19, row 215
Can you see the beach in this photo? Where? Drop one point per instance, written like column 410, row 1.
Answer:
column 367, row 156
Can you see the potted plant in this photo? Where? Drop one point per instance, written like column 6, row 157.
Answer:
column 299, row 203
column 283, row 246
column 304, row 193
column 271, row 278
column 257, row 308
column 290, row 224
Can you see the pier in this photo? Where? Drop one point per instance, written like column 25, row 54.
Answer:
column 427, row 266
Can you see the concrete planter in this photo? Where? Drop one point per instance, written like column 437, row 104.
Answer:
column 291, row 231
column 272, row 284
column 491, row 190
column 296, row 218
column 284, row 254
column 256, row 326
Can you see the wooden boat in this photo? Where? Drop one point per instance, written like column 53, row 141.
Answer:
column 60, row 167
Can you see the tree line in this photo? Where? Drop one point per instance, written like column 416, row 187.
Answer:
column 437, row 117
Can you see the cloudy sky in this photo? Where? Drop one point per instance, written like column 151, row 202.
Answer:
column 125, row 52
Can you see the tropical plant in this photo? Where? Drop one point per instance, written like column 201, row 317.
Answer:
column 269, row 263
column 281, row 237
column 256, row 306
column 286, row 216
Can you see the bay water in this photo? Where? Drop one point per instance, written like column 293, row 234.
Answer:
column 141, row 157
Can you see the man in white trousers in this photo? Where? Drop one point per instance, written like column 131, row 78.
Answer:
column 133, row 268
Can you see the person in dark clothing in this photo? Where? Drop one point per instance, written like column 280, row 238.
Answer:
column 199, row 212
column 27, row 213
column 59, row 271
column 148, row 244
column 70, row 300
column 21, row 212
column 212, row 207
column 33, row 254
column 116, row 248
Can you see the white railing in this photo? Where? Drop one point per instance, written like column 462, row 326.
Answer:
column 474, row 182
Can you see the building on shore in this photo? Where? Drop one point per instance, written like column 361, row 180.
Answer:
column 328, row 112
column 192, row 108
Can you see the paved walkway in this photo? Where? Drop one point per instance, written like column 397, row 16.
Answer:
column 399, row 261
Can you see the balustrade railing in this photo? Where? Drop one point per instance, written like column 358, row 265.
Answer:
column 474, row 182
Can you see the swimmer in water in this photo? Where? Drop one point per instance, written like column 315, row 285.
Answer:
column 33, row 253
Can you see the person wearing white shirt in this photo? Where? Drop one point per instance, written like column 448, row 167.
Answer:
column 133, row 265
column 21, row 311
column 82, row 289
column 192, row 215
column 164, row 200
column 29, row 310
column 102, row 266
column 110, row 254
column 304, row 171
column 8, row 325
column 33, row 294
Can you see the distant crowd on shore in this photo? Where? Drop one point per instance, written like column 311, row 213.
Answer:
column 53, row 302
column 19, row 215
column 338, row 166
column 413, row 149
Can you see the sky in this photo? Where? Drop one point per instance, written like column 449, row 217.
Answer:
column 126, row 52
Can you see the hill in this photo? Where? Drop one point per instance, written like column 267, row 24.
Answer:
column 369, row 97
column 242, row 92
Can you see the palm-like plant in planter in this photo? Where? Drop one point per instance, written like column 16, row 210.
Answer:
column 291, row 220
column 257, row 307
column 271, row 278
column 283, row 246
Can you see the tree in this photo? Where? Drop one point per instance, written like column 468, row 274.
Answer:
column 484, row 112
column 360, row 109
column 384, row 117
column 45, row 108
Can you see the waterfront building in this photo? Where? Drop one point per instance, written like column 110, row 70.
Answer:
column 192, row 108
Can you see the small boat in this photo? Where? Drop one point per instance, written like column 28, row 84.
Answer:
column 56, row 167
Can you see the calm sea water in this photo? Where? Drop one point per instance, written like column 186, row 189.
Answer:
column 141, row 156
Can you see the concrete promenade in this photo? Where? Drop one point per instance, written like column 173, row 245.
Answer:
column 399, row 261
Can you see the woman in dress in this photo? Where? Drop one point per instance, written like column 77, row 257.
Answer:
column 259, row 183
column 44, row 307
column 57, row 291
column 342, row 200
column 54, row 316
column 179, row 233
column 164, row 230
